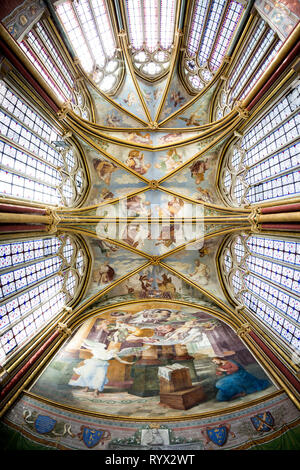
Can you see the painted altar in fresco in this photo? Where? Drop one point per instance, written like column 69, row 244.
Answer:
column 155, row 359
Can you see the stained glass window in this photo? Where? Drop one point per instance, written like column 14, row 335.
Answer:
column 151, row 26
column 213, row 24
column 38, row 277
column 89, row 29
column 261, row 47
column 264, row 163
column 32, row 167
column 264, row 276
column 41, row 49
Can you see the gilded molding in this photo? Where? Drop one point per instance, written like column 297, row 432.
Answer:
column 244, row 330
column 241, row 109
column 64, row 110
column 253, row 219
column 55, row 219
column 63, row 328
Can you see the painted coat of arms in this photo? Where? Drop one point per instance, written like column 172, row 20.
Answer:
column 263, row 422
column 217, row 435
column 92, row 437
column 44, row 424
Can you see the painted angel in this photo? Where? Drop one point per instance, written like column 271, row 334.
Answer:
column 93, row 373
column 200, row 273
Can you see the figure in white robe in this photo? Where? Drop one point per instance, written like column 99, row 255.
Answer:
column 93, row 373
column 200, row 274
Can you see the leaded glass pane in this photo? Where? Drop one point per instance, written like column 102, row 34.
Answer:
column 33, row 292
column 32, row 168
column 151, row 26
column 271, row 282
column 211, row 30
column 27, row 250
column 89, row 29
column 267, row 158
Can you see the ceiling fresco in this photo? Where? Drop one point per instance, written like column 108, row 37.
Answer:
column 153, row 218
column 156, row 334
column 156, row 360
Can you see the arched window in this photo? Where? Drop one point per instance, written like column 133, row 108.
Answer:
column 36, row 164
column 89, row 29
column 38, row 278
column 260, row 48
column 40, row 47
column 212, row 26
column 263, row 165
column 151, row 25
column 262, row 273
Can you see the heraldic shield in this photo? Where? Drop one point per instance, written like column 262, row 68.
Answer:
column 44, row 424
column 263, row 422
column 218, row 435
column 92, row 437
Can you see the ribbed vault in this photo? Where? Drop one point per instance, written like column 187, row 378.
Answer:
column 153, row 113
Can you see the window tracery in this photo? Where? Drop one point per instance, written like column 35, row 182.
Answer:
column 40, row 47
column 261, row 46
column 36, row 163
column 38, row 278
column 264, row 164
column 213, row 24
column 151, row 25
column 88, row 26
column 261, row 273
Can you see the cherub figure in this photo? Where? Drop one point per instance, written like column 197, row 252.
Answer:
column 176, row 97
column 135, row 161
column 170, row 161
column 198, row 169
column 104, row 169
column 193, row 120
column 174, row 206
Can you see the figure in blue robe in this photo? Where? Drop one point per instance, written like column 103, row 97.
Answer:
column 236, row 381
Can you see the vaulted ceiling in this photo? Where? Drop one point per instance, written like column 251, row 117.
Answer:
column 139, row 86
column 152, row 103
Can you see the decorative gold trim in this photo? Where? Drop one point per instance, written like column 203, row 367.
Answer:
column 62, row 327
column 253, row 219
column 244, row 330
column 14, row 47
column 195, row 304
column 16, row 359
column 115, row 104
column 175, row 55
column 123, row 37
column 97, row 147
column 154, row 420
column 212, row 144
column 195, row 98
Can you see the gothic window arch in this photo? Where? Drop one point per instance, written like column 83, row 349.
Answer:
column 263, row 164
column 39, row 276
column 37, row 164
column 43, row 51
column 151, row 26
column 261, row 272
column 211, row 29
column 89, row 29
column 260, row 48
